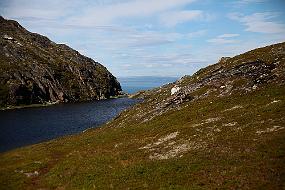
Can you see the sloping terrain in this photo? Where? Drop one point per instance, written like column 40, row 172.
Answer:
column 35, row 70
column 222, row 128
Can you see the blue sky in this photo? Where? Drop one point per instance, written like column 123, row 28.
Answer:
column 153, row 37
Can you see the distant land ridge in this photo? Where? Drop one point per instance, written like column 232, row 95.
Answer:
column 35, row 70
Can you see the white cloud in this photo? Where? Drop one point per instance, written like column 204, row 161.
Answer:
column 245, row 2
column 151, row 38
column 224, row 39
column 128, row 36
column 86, row 13
column 102, row 15
column 228, row 35
column 260, row 22
column 149, row 65
column 196, row 34
column 166, row 65
column 36, row 9
column 126, row 65
column 177, row 17
column 132, row 38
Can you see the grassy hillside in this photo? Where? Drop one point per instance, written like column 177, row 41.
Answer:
column 223, row 129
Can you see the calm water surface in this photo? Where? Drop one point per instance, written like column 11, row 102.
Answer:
column 33, row 125
column 135, row 84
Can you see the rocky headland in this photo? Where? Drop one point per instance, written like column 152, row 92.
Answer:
column 35, row 70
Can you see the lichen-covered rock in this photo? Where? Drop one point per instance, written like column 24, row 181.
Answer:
column 34, row 69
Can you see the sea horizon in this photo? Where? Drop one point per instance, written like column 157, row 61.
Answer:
column 133, row 84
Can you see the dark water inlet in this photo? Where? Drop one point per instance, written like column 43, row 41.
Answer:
column 27, row 126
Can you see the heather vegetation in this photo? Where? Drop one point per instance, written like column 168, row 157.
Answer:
column 222, row 128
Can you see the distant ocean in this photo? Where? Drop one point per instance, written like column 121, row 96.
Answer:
column 135, row 84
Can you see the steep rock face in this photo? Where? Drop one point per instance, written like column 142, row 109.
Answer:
column 34, row 69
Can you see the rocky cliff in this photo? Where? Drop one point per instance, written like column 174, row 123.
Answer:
column 33, row 70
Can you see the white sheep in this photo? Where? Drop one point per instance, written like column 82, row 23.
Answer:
column 175, row 89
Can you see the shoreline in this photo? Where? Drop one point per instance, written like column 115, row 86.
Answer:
column 29, row 106
column 47, row 104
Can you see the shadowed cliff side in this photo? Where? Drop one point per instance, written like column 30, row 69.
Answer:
column 35, row 70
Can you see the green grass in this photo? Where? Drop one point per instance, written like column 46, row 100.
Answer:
column 222, row 142
column 109, row 157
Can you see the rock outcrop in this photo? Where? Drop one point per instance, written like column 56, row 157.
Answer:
column 241, row 74
column 35, row 70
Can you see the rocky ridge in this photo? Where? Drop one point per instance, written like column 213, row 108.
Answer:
column 241, row 74
column 35, row 70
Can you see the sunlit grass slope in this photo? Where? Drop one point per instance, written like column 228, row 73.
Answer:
column 223, row 129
